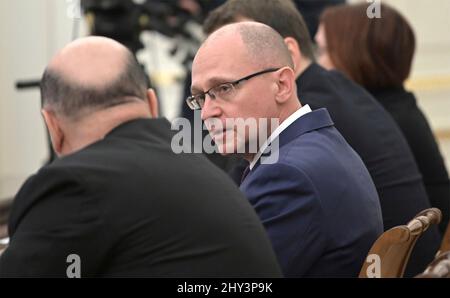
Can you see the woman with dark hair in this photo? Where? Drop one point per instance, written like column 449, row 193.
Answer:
column 377, row 53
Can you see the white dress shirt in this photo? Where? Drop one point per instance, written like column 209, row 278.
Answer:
column 289, row 120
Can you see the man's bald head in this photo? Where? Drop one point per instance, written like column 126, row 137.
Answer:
column 91, row 74
column 264, row 46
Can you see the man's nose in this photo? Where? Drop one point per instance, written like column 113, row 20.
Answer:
column 210, row 109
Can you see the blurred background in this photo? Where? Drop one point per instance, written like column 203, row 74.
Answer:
column 164, row 36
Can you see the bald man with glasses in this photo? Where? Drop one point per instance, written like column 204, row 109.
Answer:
column 310, row 189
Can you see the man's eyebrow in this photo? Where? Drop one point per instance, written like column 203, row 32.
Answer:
column 212, row 82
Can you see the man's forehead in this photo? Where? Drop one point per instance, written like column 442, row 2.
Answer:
column 216, row 62
column 213, row 59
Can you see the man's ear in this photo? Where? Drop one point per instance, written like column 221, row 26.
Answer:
column 54, row 129
column 152, row 103
column 295, row 51
column 285, row 84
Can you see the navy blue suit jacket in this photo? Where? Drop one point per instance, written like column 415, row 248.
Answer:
column 317, row 202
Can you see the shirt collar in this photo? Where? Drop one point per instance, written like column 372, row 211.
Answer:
column 289, row 120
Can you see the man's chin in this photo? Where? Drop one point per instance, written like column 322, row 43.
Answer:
column 228, row 144
column 225, row 150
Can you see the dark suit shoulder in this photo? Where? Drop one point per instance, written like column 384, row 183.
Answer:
column 364, row 124
column 140, row 203
column 55, row 194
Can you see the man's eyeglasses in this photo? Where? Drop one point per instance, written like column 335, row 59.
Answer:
column 223, row 91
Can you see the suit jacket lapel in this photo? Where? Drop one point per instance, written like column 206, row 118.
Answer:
column 314, row 120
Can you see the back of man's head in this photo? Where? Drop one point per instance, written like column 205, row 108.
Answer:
column 89, row 75
column 91, row 86
column 281, row 15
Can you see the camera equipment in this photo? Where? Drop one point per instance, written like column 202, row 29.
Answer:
column 125, row 20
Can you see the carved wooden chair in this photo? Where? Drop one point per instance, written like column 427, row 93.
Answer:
column 391, row 251
column 439, row 268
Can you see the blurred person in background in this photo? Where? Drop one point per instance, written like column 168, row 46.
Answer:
column 378, row 54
